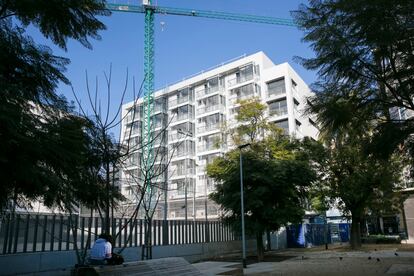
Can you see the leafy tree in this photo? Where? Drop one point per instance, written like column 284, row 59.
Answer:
column 364, row 54
column 275, row 177
column 350, row 175
column 364, row 57
column 358, row 182
column 45, row 150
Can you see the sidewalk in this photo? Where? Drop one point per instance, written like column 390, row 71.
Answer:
column 384, row 260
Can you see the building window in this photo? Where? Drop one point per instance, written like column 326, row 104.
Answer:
column 278, row 108
column 297, row 125
column 276, row 87
column 284, row 125
column 312, row 122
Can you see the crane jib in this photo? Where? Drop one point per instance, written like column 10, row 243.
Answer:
column 201, row 13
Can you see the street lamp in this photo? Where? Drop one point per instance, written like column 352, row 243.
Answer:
column 242, row 203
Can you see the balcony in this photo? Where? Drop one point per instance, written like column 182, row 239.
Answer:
column 240, row 79
column 278, row 112
column 209, row 127
column 207, row 91
column 206, row 109
column 180, row 100
column 181, row 117
column 160, row 109
column 209, row 147
column 180, row 172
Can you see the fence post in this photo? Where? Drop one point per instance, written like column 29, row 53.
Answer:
column 68, row 229
column 35, row 233
column 164, row 232
column 82, row 227
column 140, row 232
column 131, row 231
column 126, row 232
column 10, row 234
column 52, row 233
column 26, row 233
column 120, row 233
column 136, row 232
column 44, row 233
column 16, row 233
column 6, row 232
column 207, row 231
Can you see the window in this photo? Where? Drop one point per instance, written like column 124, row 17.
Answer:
column 284, row 124
column 181, row 186
column 294, row 85
column 276, row 87
column 278, row 108
column 312, row 122
column 297, row 125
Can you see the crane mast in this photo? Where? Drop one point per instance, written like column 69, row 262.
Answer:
column 147, row 134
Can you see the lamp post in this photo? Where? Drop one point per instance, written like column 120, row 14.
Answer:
column 242, row 203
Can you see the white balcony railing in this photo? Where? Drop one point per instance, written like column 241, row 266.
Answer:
column 207, row 91
column 208, row 127
column 241, row 79
column 205, row 109
column 278, row 112
column 179, row 101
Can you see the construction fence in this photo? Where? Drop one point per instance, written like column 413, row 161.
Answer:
column 20, row 233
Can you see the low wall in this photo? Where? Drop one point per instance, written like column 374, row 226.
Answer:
column 64, row 260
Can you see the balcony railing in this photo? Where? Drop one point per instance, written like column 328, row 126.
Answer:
column 276, row 91
column 180, row 117
column 179, row 101
column 208, row 147
column 278, row 112
column 160, row 108
column 205, row 109
column 181, row 171
column 240, row 79
column 244, row 96
column 207, row 91
column 208, row 127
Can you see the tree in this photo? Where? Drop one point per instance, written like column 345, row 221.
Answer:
column 365, row 62
column 364, row 53
column 359, row 183
column 44, row 148
column 350, row 175
column 275, row 179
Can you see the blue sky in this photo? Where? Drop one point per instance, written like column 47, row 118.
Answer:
column 184, row 46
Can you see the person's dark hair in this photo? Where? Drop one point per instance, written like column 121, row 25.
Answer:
column 106, row 237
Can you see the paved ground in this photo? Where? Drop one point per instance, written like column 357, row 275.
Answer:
column 370, row 260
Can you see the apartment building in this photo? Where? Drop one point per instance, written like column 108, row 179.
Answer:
column 187, row 125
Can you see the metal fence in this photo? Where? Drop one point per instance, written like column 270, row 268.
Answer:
column 20, row 233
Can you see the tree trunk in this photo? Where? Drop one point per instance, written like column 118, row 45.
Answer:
column 269, row 242
column 260, row 247
column 356, row 232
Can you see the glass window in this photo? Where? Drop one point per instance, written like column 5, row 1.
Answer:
column 278, row 108
column 276, row 87
column 283, row 125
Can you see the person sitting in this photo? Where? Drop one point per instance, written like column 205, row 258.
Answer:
column 101, row 251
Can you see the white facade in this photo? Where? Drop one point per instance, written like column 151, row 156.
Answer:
column 193, row 112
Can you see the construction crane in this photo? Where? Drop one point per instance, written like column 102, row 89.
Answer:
column 149, row 10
